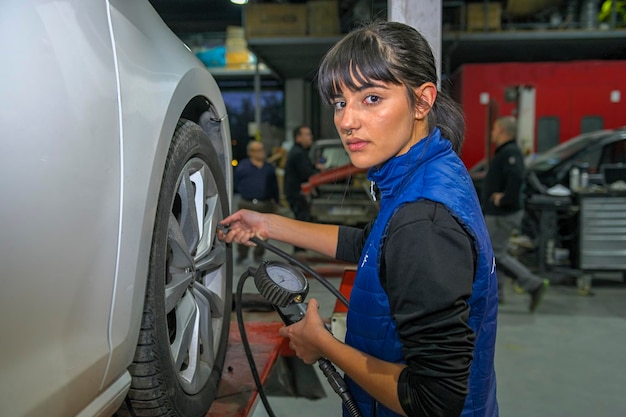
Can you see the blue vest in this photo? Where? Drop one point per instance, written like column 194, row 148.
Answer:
column 430, row 170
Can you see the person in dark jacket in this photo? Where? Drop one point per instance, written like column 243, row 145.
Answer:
column 298, row 169
column 503, row 207
column 421, row 325
column 256, row 183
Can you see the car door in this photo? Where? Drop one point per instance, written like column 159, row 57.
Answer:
column 60, row 180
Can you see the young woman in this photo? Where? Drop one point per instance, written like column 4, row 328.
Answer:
column 421, row 325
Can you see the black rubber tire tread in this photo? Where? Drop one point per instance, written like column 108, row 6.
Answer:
column 155, row 391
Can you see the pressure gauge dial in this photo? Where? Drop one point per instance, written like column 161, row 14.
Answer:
column 280, row 283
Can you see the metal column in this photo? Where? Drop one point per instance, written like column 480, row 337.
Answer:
column 423, row 15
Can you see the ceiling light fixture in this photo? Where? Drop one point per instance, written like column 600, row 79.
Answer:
column 239, row 1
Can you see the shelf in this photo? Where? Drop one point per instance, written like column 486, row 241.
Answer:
column 292, row 57
column 299, row 57
column 531, row 46
column 225, row 72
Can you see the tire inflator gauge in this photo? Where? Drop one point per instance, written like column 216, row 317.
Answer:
column 285, row 287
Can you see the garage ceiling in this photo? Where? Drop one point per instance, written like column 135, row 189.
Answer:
column 299, row 57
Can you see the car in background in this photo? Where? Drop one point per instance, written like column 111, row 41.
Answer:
column 341, row 194
column 590, row 153
column 599, row 157
column 114, row 171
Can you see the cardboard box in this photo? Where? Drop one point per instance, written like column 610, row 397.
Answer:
column 269, row 19
column 323, row 17
column 476, row 16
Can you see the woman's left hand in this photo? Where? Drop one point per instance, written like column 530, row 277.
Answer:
column 307, row 337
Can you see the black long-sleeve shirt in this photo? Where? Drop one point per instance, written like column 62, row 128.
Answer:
column 505, row 175
column 427, row 270
column 298, row 169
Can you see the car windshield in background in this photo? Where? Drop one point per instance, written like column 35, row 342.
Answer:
column 330, row 152
column 341, row 194
column 564, row 151
column 335, row 156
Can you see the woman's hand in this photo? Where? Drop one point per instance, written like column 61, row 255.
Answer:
column 243, row 226
column 308, row 336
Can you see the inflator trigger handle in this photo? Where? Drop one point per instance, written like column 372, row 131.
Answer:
column 224, row 228
column 292, row 313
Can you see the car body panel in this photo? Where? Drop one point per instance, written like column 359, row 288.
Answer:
column 548, row 190
column 167, row 91
column 80, row 192
column 590, row 151
column 66, row 279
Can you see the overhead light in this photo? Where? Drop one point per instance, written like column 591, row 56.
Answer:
column 239, row 1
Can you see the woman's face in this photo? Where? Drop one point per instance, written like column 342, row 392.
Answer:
column 376, row 122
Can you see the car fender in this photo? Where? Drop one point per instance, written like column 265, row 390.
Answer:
column 154, row 91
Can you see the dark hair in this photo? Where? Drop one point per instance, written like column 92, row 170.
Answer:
column 395, row 53
column 297, row 130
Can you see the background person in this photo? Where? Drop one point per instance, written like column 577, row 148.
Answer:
column 503, row 207
column 298, row 169
column 421, row 324
column 255, row 180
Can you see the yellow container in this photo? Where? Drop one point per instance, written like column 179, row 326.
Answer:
column 237, row 59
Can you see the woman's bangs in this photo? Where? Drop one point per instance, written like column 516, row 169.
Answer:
column 352, row 68
column 334, row 73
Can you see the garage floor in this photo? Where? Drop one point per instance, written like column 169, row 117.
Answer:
column 568, row 359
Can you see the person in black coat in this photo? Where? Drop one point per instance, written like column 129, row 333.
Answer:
column 503, row 207
column 298, row 169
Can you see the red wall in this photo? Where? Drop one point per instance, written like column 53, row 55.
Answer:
column 567, row 90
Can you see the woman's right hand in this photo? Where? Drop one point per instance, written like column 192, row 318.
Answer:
column 309, row 335
column 243, row 226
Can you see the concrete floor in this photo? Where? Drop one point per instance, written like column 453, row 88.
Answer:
column 567, row 359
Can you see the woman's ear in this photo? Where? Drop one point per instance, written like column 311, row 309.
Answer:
column 425, row 95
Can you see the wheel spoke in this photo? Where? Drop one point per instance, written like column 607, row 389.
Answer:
column 201, row 354
column 214, row 303
column 195, row 355
column 175, row 288
column 188, row 212
column 212, row 216
column 214, row 259
column 186, row 330
column 181, row 257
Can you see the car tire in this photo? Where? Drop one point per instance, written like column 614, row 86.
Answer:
column 186, row 317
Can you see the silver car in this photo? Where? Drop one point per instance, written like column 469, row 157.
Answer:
column 114, row 171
